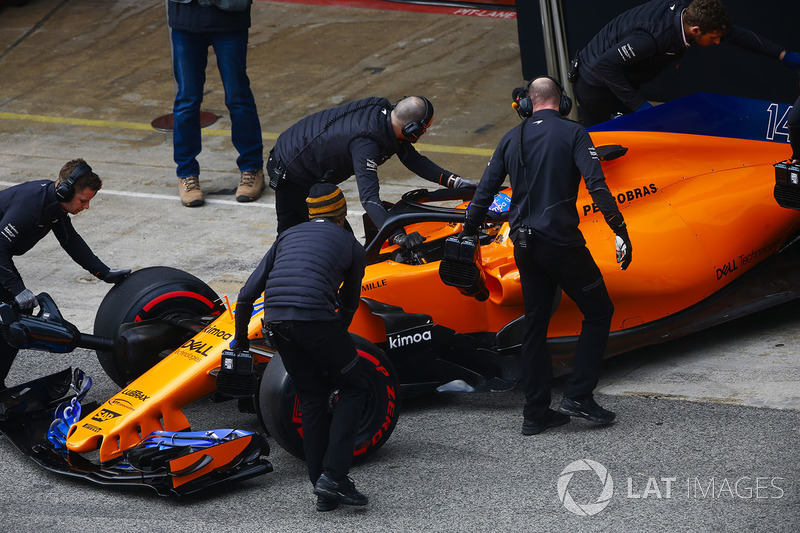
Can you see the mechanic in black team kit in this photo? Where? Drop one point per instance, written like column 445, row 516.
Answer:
column 638, row 44
column 794, row 131
column 300, row 277
column 28, row 212
column 545, row 157
column 355, row 138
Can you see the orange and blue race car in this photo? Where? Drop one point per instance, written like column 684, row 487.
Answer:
column 695, row 179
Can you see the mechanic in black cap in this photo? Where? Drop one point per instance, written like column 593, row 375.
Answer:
column 545, row 157
column 310, row 269
column 356, row 138
column 28, row 212
column 639, row 43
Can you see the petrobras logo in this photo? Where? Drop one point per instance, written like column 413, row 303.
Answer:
column 409, row 338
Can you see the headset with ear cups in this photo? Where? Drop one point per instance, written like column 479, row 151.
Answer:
column 524, row 106
column 66, row 189
column 414, row 129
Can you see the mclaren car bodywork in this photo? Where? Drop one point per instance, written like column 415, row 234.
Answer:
column 694, row 179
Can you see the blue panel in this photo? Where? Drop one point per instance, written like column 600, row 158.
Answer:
column 710, row 114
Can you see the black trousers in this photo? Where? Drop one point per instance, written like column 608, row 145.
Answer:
column 544, row 267
column 7, row 355
column 7, row 352
column 290, row 205
column 597, row 104
column 321, row 357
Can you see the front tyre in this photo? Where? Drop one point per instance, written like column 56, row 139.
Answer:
column 147, row 294
column 279, row 406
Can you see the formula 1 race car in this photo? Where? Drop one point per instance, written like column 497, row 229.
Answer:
column 694, row 179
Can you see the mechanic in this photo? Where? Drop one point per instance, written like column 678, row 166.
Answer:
column 332, row 145
column 310, row 268
column 639, row 43
column 545, row 157
column 194, row 26
column 28, row 212
column 793, row 123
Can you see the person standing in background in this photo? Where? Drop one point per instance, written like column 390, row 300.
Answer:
column 195, row 26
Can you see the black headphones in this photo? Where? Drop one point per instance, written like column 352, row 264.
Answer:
column 66, row 189
column 522, row 99
column 414, row 129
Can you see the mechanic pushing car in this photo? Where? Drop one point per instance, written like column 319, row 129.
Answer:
column 356, row 138
column 300, row 277
column 793, row 124
column 29, row 211
column 638, row 44
column 545, row 157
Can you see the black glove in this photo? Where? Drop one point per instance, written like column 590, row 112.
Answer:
column 115, row 276
column 624, row 250
column 456, row 182
column 26, row 300
column 239, row 345
column 467, row 234
column 410, row 241
column 623, row 242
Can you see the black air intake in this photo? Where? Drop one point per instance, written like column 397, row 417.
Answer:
column 460, row 268
column 787, row 185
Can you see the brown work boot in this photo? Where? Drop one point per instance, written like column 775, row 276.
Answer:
column 191, row 195
column 250, row 186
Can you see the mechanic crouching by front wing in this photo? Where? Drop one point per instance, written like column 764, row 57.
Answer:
column 545, row 157
column 300, row 277
column 28, row 212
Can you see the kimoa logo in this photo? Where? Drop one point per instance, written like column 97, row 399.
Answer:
column 399, row 340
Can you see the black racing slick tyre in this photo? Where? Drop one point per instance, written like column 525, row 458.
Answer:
column 148, row 294
column 279, row 406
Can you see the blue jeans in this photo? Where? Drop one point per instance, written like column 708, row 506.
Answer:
column 189, row 61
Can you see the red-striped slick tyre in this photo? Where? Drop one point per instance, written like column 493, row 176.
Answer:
column 150, row 293
column 279, row 406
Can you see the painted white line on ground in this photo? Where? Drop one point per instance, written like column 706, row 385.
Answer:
column 153, row 196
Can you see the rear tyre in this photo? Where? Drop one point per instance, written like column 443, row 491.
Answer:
column 279, row 406
column 150, row 293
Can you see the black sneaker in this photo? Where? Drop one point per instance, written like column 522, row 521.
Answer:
column 550, row 420
column 344, row 491
column 325, row 503
column 587, row 409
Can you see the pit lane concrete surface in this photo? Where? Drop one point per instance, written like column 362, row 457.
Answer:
column 707, row 434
